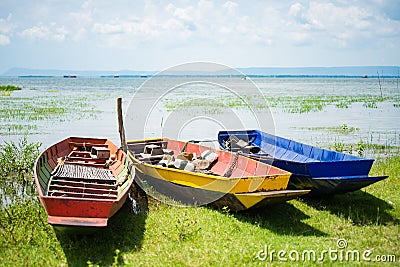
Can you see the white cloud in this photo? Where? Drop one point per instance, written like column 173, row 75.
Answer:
column 296, row 9
column 5, row 24
column 6, row 29
column 108, row 28
column 229, row 23
column 50, row 32
column 59, row 33
column 226, row 24
column 4, row 39
column 36, row 32
column 230, row 7
column 212, row 28
column 180, row 13
column 336, row 24
column 81, row 22
column 81, row 17
column 333, row 18
column 87, row 4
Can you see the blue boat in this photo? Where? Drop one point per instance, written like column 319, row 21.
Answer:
column 321, row 170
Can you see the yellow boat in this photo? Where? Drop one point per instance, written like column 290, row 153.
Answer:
column 193, row 174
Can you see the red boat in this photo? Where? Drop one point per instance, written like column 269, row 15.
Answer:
column 83, row 181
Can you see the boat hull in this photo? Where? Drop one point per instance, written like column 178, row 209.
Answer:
column 182, row 195
column 74, row 212
column 242, row 190
column 332, row 185
column 82, row 199
column 321, row 170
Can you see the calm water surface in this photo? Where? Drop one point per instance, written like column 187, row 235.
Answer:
column 95, row 98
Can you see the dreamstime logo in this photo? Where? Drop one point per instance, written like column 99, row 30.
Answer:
column 341, row 253
column 341, row 243
column 194, row 101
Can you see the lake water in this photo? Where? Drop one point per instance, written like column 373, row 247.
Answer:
column 318, row 111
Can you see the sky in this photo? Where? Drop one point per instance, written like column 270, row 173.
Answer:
column 154, row 35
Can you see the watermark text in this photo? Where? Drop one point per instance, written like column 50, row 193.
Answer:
column 340, row 252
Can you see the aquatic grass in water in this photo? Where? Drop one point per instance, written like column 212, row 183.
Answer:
column 290, row 104
column 50, row 103
column 306, row 104
column 9, row 88
column 6, row 90
column 16, row 129
column 343, row 129
column 39, row 106
column 343, row 105
column 370, row 105
column 371, row 144
column 364, row 149
column 25, row 110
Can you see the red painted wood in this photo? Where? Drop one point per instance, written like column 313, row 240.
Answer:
column 77, row 203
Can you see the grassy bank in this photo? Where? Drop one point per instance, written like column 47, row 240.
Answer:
column 366, row 220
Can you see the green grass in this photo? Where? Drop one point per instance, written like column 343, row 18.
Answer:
column 365, row 219
column 165, row 235
column 9, row 88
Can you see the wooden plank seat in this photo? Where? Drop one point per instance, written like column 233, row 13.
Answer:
column 80, row 195
column 85, row 184
column 77, row 181
column 86, row 144
column 82, row 190
column 83, row 159
column 137, row 148
column 82, row 154
column 86, row 163
column 68, row 170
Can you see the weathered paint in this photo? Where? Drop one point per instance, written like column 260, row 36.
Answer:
column 91, row 209
column 321, row 170
column 248, row 176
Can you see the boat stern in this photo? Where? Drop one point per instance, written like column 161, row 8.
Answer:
column 77, row 221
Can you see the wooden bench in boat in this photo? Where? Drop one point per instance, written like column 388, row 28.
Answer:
column 82, row 174
column 150, row 152
column 72, row 180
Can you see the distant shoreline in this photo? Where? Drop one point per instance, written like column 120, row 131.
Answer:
column 252, row 72
column 283, row 76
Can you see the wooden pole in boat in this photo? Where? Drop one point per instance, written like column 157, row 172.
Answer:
column 121, row 125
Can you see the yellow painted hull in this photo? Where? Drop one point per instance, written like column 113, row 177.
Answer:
column 215, row 183
column 235, row 181
column 178, row 194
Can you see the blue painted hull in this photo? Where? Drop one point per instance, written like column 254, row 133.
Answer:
column 332, row 185
column 321, row 170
